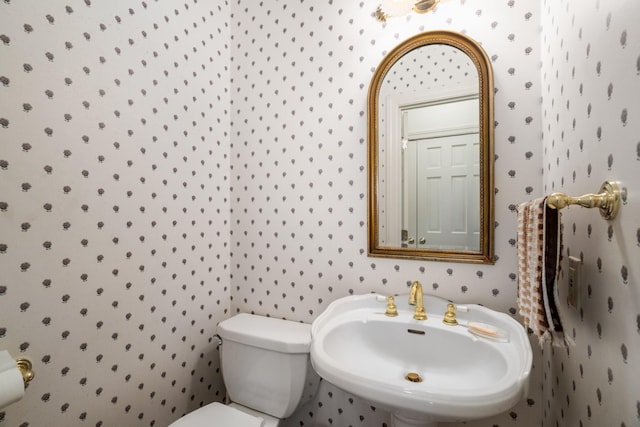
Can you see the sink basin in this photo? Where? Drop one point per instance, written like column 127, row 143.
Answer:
column 463, row 376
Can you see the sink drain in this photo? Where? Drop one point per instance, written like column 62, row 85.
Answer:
column 413, row 377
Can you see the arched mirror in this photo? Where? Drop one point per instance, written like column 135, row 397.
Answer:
column 430, row 118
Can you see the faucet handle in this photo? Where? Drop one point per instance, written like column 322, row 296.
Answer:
column 392, row 310
column 450, row 316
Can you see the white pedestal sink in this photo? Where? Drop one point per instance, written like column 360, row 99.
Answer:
column 462, row 376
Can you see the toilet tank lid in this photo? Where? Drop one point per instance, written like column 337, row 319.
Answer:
column 285, row 336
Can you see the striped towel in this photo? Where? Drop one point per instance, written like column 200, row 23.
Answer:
column 539, row 251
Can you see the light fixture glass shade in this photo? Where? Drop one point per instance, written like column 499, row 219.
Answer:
column 396, row 8
column 424, row 6
column 393, row 8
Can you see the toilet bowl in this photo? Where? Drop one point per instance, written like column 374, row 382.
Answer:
column 266, row 370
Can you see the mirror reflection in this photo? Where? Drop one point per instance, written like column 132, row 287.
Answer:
column 431, row 150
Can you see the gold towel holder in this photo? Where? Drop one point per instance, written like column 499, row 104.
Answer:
column 26, row 369
column 608, row 200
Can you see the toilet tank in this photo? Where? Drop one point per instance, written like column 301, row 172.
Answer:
column 265, row 363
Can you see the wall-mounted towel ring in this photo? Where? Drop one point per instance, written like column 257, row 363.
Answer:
column 608, row 200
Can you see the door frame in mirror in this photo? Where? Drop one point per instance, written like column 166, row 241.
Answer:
column 478, row 56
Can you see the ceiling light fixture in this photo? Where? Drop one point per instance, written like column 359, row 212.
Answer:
column 395, row 8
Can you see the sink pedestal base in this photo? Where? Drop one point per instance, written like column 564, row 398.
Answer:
column 398, row 420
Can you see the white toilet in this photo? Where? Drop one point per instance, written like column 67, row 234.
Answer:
column 266, row 370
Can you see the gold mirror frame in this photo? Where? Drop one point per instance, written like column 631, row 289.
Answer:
column 474, row 51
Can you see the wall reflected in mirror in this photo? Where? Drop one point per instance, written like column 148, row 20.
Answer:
column 430, row 146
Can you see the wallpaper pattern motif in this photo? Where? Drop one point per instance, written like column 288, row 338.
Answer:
column 590, row 80
column 113, row 207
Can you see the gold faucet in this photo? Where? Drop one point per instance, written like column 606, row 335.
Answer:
column 416, row 298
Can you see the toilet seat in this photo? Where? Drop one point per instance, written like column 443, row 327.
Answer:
column 219, row 415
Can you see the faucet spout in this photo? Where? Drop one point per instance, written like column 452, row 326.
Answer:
column 416, row 298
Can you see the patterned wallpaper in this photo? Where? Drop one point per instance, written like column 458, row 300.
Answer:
column 301, row 72
column 114, row 200
column 590, row 81
column 164, row 165
column 437, row 66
